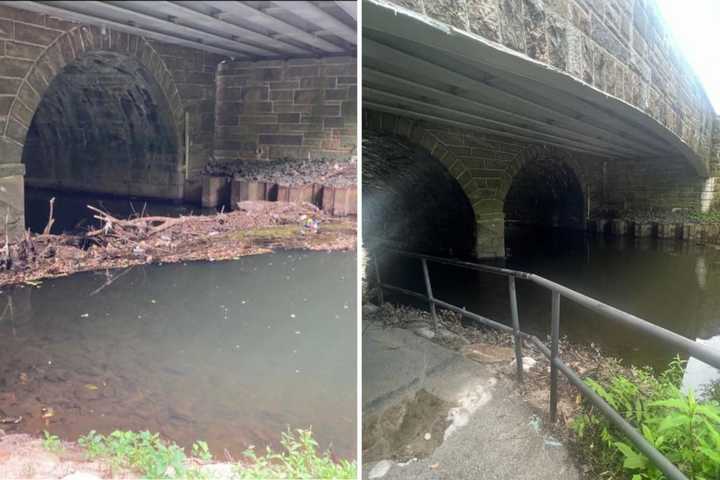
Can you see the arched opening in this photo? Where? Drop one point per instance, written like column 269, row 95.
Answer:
column 410, row 199
column 544, row 194
column 104, row 127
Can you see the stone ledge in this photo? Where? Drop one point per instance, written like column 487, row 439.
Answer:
column 12, row 169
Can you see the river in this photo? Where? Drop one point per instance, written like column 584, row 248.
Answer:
column 673, row 284
column 232, row 353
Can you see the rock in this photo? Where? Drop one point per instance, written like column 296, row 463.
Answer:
column 527, row 363
column 370, row 309
column 486, row 353
column 219, row 471
column 81, row 476
column 425, row 332
column 380, row 469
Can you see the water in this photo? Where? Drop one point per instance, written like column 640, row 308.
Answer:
column 673, row 284
column 72, row 215
column 231, row 352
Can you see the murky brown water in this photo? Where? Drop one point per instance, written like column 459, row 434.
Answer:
column 673, row 284
column 232, row 353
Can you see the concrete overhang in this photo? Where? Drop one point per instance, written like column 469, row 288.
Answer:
column 418, row 67
column 241, row 30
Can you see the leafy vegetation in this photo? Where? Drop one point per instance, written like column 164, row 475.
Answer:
column 147, row 454
column 704, row 217
column 144, row 452
column 300, row 459
column 685, row 430
column 51, row 443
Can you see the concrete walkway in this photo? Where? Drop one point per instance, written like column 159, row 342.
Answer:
column 494, row 433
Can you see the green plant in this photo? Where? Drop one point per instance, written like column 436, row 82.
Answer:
column 201, row 450
column 683, row 429
column 141, row 451
column 51, row 443
column 300, row 459
column 704, row 217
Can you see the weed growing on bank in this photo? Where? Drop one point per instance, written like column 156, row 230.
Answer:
column 51, row 443
column 300, row 459
column 146, row 453
column 685, row 430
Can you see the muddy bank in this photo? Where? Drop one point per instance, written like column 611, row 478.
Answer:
column 256, row 227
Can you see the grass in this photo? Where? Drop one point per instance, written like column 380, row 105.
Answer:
column 147, row 454
column 683, row 428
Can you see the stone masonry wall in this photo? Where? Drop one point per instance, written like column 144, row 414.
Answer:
column 34, row 48
column 621, row 47
column 296, row 109
column 485, row 166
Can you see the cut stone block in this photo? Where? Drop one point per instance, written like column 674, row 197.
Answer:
column 215, row 191
column 642, row 230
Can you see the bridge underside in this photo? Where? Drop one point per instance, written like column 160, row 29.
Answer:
column 422, row 69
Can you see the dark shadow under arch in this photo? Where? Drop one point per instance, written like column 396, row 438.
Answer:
column 104, row 126
column 410, row 199
column 545, row 192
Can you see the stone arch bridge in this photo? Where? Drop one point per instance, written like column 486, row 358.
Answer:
column 135, row 98
column 553, row 113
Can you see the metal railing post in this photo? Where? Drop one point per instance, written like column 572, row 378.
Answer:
column 381, row 298
column 431, row 299
column 516, row 327
column 554, row 349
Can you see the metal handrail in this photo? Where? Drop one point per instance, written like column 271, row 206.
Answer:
column 693, row 348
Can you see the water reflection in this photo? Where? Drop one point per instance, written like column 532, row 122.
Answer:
column 673, row 284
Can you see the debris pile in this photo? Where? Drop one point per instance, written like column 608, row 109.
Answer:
column 256, row 227
column 288, row 172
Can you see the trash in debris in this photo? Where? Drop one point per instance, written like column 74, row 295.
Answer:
column 535, row 423
column 13, row 420
column 552, row 442
column 84, row 315
column 427, row 436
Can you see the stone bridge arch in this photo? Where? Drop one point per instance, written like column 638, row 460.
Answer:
column 549, row 171
column 412, row 141
column 70, row 45
column 486, row 167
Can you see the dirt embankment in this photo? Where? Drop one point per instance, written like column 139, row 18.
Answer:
column 256, row 227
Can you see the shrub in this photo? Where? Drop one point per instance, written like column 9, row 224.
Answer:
column 685, row 430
